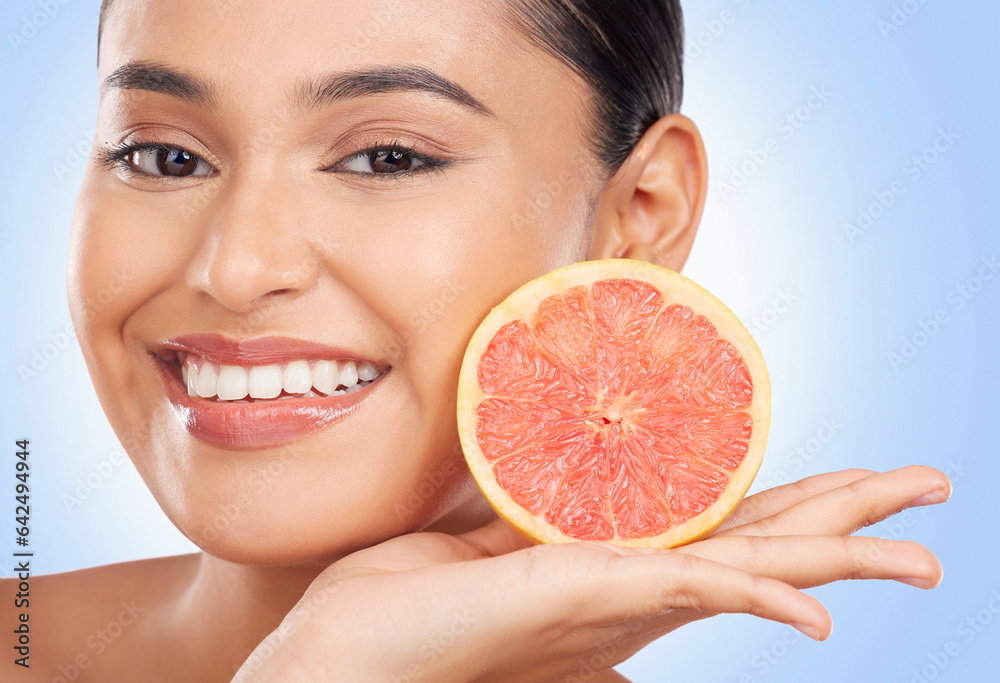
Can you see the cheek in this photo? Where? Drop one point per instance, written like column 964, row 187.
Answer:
column 434, row 270
column 119, row 258
column 458, row 255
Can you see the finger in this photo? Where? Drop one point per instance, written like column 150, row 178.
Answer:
column 807, row 561
column 495, row 538
column 859, row 504
column 430, row 548
column 603, row 586
column 772, row 501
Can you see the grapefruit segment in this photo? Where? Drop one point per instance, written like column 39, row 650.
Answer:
column 613, row 400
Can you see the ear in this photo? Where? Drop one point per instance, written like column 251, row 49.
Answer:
column 650, row 209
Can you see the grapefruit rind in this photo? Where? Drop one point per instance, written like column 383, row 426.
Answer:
column 676, row 289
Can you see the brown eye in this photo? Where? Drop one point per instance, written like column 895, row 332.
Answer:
column 170, row 162
column 383, row 162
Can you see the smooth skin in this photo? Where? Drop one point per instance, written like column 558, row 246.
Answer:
column 282, row 228
column 486, row 606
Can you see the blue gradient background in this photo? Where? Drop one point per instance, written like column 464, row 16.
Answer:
column 852, row 304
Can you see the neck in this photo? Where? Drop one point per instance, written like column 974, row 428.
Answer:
column 229, row 608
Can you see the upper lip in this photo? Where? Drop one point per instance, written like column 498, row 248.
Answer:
column 223, row 350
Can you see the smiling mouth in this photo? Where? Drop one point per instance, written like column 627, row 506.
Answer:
column 260, row 393
column 301, row 378
column 225, row 370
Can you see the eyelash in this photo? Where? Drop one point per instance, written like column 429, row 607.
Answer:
column 429, row 163
column 116, row 156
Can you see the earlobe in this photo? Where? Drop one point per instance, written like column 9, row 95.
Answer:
column 651, row 208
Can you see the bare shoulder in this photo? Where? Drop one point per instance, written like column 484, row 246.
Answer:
column 72, row 620
column 95, row 586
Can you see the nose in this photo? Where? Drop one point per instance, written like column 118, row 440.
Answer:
column 253, row 247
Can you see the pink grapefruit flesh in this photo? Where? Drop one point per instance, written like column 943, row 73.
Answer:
column 613, row 400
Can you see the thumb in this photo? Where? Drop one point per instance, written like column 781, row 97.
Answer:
column 496, row 538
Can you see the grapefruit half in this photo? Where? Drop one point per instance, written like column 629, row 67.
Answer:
column 613, row 400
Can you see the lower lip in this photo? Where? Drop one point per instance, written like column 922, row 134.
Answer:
column 258, row 425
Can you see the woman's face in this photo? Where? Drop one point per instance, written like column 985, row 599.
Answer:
column 261, row 220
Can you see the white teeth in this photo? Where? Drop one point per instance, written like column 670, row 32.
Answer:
column 325, row 376
column 348, row 374
column 207, row 382
column 298, row 378
column 366, row 372
column 190, row 380
column 265, row 381
column 232, row 384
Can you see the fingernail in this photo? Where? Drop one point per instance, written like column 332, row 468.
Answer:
column 932, row 498
column 914, row 581
column 810, row 631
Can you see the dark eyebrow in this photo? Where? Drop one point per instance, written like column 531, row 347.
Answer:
column 142, row 75
column 333, row 87
column 343, row 85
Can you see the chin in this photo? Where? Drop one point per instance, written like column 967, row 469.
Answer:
column 302, row 506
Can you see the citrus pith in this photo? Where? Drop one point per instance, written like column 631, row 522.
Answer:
column 613, row 400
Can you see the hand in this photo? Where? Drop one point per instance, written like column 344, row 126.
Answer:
column 485, row 605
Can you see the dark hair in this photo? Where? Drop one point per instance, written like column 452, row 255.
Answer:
column 101, row 18
column 629, row 52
